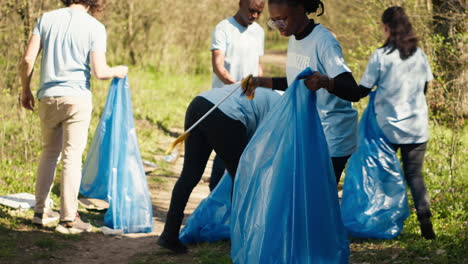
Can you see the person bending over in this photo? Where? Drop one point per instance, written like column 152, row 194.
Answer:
column 227, row 131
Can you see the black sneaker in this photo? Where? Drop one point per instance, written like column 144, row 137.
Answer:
column 173, row 245
column 76, row 226
column 45, row 218
column 427, row 231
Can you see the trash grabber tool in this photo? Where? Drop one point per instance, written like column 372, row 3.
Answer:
column 187, row 132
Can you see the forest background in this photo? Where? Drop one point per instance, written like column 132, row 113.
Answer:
column 166, row 45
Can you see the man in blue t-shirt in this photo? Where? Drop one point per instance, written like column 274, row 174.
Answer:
column 236, row 48
column 73, row 43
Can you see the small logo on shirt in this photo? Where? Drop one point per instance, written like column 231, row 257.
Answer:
column 298, row 61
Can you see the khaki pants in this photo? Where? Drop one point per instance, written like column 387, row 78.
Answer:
column 64, row 124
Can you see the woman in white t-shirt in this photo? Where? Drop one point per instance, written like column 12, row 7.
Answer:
column 401, row 72
column 312, row 45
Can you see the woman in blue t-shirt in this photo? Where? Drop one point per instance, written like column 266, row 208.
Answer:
column 401, row 72
column 312, row 45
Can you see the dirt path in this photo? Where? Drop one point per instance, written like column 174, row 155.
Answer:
column 98, row 248
column 273, row 57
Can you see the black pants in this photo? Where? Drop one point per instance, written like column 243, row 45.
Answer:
column 339, row 164
column 218, row 132
column 412, row 156
column 217, row 172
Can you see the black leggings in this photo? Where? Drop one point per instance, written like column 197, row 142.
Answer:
column 412, row 156
column 339, row 164
column 217, row 172
column 218, row 132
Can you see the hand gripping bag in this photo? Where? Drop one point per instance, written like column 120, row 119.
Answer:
column 210, row 222
column 285, row 205
column 374, row 202
column 113, row 170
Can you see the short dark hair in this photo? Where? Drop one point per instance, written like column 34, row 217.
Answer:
column 402, row 36
column 94, row 5
column 310, row 6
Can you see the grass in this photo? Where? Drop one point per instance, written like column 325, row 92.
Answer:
column 159, row 104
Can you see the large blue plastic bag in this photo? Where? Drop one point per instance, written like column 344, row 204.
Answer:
column 374, row 202
column 210, row 222
column 285, row 205
column 113, row 170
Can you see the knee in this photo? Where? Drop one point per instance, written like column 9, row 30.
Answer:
column 51, row 154
column 71, row 156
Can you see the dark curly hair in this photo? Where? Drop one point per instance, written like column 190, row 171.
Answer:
column 401, row 36
column 95, row 6
column 310, row 6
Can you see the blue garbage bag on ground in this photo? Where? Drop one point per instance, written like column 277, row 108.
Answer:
column 374, row 202
column 210, row 222
column 285, row 205
column 113, row 170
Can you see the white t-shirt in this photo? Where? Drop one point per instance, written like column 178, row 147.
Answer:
column 67, row 37
column 400, row 103
column 237, row 107
column 321, row 52
column 242, row 47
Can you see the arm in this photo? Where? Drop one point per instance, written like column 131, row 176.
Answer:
column 344, row 86
column 26, row 71
column 249, row 84
column 217, row 61
column 260, row 70
column 102, row 71
column 275, row 83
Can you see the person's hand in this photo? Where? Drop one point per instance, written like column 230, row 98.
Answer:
column 27, row 100
column 120, row 71
column 249, row 84
column 317, row 80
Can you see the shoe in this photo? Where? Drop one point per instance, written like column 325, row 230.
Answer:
column 45, row 218
column 175, row 246
column 427, row 231
column 76, row 226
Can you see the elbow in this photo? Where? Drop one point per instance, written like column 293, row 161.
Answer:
column 97, row 75
column 356, row 97
column 26, row 62
column 100, row 74
column 351, row 98
column 217, row 69
column 357, row 93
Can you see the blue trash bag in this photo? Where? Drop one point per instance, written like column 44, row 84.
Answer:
column 210, row 222
column 285, row 205
column 113, row 170
column 374, row 202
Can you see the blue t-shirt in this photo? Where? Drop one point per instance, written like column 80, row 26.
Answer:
column 400, row 103
column 67, row 37
column 237, row 107
column 242, row 47
column 321, row 52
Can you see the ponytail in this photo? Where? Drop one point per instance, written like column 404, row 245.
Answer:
column 402, row 36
